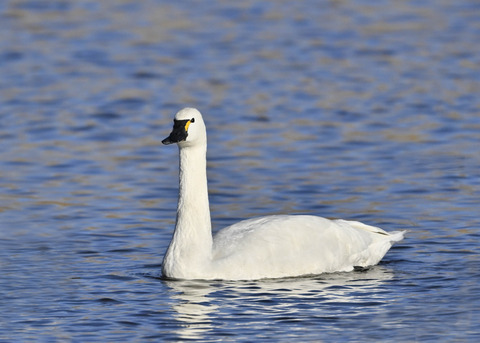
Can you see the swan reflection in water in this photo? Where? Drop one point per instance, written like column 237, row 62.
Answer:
column 193, row 309
column 203, row 306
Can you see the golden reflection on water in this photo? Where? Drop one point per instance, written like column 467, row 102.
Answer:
column 342, row 110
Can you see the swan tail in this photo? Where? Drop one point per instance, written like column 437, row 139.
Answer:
column 396, row 236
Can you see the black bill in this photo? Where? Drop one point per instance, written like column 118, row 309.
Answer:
column 179, row 132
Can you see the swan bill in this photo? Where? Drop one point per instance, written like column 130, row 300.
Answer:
column 179, row 132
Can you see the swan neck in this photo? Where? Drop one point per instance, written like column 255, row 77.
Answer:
column 193, row 188
column 191, row 246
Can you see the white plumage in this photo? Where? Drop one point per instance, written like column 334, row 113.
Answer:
column 265, row 247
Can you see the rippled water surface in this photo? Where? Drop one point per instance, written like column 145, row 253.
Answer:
column 350, row 109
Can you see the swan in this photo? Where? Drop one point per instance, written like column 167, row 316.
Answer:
column 267, row 247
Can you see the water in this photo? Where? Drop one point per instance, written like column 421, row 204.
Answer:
column 341, row 109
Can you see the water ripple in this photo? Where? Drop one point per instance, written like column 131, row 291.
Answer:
column 340, row 110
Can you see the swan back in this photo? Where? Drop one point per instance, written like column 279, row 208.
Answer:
column 294, row 245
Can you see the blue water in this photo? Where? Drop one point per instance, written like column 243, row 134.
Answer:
column 344, row 109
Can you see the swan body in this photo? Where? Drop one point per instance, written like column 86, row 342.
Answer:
column 266, row 247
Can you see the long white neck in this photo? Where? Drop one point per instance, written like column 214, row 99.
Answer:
column 190, row 250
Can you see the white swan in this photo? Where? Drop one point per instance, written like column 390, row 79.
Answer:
column 266, row 247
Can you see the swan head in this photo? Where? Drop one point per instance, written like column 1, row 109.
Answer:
column 188, row 128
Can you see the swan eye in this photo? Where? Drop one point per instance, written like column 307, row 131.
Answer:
column 188, row 123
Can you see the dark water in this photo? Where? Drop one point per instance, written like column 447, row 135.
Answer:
column 342, row 109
